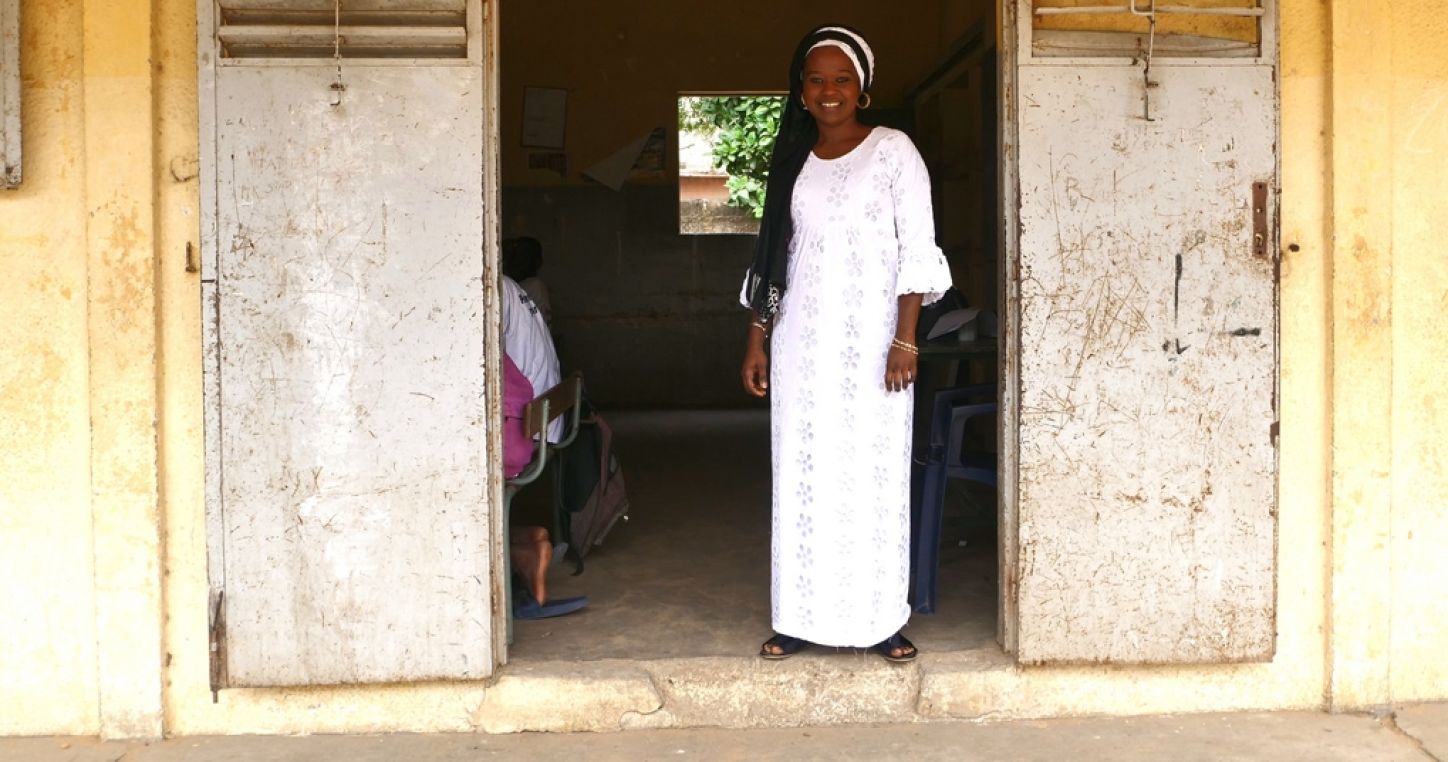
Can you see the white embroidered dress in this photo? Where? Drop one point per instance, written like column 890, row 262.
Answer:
column 864, row 233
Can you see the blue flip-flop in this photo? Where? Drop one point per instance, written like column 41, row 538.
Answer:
column 525, row 606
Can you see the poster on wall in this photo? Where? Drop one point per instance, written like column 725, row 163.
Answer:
column 641, row 159
column 650, row 165
column 544, row 117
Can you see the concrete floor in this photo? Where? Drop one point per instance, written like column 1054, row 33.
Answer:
column 1248, row 736
column 688, row 574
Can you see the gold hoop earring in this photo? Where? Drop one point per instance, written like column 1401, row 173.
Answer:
column 864, row 101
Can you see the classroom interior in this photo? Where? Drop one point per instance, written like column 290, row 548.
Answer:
column 650, row 315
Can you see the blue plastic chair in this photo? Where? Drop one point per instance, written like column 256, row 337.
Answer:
column 945, row 459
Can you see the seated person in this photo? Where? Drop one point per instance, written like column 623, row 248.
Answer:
column 531, row 551
column 526, row 340
column 522, row 259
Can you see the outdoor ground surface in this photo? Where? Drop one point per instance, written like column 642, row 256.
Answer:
column 1417, row 734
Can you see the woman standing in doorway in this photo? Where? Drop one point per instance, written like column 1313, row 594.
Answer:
column 845, row 259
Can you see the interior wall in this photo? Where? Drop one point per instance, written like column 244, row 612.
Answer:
column 651, row 316
column 956, row 126
column 957, row 18
column 625, row 63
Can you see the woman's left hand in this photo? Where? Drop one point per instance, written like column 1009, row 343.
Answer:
column 900, row 368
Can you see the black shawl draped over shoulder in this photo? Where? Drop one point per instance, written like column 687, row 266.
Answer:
column 797, row 136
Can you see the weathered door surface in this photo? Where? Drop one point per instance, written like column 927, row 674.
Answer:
column 348, row 419
column 1147, row 334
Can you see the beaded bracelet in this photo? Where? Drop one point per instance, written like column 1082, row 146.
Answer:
column 905, row 345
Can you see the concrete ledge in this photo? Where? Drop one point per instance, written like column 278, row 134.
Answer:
column 729, row 692
column 809, row 689
column 968, row 685
column 823, row 687
column 567, row 697
column 986, row 684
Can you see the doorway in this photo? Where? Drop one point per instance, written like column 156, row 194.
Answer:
column 349, row 161
column 1138, row 323
column 651, row 317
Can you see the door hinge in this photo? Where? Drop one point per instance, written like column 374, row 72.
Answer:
column 217, row 627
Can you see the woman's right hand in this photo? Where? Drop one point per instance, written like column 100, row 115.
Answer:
column 755, row 371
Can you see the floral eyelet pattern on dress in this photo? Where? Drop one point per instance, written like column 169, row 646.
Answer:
column 863, row 235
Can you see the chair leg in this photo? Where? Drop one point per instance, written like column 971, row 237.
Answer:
column 927, row 550
column 917, row 480
column 559, row 530
column 508, row 564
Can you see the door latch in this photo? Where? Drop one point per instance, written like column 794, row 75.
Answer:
column 1259, row 219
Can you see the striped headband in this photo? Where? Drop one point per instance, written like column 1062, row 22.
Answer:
column 866, row 75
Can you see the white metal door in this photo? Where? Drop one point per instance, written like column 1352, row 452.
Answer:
column 348, row 407
column 1145, row 338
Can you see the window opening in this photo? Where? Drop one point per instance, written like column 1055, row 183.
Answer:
column 724, row 148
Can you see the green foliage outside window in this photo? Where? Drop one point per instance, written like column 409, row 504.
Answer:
column 744, row 127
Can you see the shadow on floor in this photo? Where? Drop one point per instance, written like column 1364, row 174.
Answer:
column 688, row 574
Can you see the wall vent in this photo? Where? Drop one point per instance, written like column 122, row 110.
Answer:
column 352, row 29
column 1147, row 28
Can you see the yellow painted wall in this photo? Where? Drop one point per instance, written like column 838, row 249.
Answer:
column 179, row 345
column 100, row 416
column 121, row 173
column 79, row 503
column 47, row 630
column 1419, row 533
column 1388, row 91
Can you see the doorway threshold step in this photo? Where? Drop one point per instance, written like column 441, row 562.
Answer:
column 813, row 688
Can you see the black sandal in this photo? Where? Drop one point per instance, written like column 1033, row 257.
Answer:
column 788, row 646
column 896, row 642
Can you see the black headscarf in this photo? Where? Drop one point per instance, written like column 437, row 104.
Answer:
column 797, row 136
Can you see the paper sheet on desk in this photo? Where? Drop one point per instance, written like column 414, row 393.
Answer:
column 951, row 322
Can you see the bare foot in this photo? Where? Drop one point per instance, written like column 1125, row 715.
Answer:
column 782, row 646
column 532, row 553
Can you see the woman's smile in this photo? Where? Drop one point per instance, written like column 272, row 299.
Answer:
column 831, row 88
